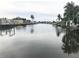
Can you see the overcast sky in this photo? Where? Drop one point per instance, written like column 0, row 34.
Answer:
column 10, row 8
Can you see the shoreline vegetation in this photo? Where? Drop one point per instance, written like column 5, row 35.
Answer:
column 70, row 17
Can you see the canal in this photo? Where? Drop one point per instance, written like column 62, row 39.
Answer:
column 38, row 41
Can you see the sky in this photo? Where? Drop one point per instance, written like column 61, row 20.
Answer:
column 13, row 8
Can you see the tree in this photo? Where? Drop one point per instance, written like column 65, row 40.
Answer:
column 71, row 11
column 32, row 16
column 59, row 17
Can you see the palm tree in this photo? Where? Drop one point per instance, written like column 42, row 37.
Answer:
column 59, row 17
column 32, row 17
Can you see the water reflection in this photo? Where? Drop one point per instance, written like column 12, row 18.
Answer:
column 11, row 30
column 59, row 30
column 21, row 27
column 70, row 40
column 7, row 31
column 43, row 44
column 32, row 29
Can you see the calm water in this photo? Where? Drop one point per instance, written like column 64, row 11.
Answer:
column 41, row 40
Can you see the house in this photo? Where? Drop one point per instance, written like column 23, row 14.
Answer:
column 77, row 16
column 19, row 20
column 4, row 21
column 28, row 21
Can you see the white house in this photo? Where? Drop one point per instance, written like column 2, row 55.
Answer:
column 19, row 20
column 3, row 21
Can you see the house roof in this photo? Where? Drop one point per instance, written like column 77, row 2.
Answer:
column 19, row 18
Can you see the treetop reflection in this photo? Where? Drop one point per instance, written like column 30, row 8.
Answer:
column 70, row 41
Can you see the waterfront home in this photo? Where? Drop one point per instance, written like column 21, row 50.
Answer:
column 19, row 20
column 28, row 21
column 76, row 21
column 4, row 21
column 77, row 16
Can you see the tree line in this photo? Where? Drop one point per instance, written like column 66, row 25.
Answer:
column 71, row 13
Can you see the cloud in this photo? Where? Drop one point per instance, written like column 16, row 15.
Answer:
column 12, row 8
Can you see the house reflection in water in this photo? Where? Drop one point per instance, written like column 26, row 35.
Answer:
column 7, row 31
